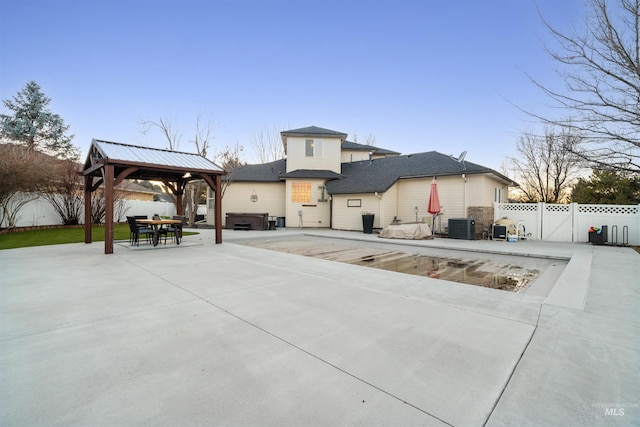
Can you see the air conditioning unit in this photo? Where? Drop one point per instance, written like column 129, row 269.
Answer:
column 462, row 228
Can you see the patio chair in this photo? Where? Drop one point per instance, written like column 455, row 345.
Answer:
column 175, row 229
column 135, row 231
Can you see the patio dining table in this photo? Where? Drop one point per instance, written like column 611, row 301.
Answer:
column 156, row 224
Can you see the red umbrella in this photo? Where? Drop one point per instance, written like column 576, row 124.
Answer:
column 434, row 200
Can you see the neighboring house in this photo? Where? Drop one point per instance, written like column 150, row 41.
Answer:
column 327, row 181
column 133, row 191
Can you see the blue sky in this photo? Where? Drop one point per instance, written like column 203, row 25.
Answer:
column 418, row 75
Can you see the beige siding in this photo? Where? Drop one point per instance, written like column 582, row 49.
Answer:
column 237, row 198
column 315, row 213
column 389, row 206
column 482, row 190
column 354, row 156
column 358, row 155
column 415, row 192
column 350, row 218
column 296, row 158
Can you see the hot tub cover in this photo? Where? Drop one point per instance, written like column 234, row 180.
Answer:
column 413, row 231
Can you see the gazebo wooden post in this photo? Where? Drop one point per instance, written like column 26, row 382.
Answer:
column 180, row 184
column 87, row 208
column 108, row 209
column 218, row 208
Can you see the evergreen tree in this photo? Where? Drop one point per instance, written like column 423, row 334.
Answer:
column 33, row 125
column 608, row 187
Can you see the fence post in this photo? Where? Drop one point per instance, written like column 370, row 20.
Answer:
column 574, row 222
column 637, row 228
column 540, row 220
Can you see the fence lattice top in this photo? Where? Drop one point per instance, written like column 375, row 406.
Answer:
column 609, row 209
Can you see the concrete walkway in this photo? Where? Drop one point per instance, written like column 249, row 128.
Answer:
column 205, row 334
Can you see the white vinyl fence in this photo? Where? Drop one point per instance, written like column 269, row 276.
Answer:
column 571, row 222
column 40, row 212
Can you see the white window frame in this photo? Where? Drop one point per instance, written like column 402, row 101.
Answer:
column 317, row 145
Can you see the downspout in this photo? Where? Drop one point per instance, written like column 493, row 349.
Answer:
column 330, row 212
column 379, row 208
column 465, row 195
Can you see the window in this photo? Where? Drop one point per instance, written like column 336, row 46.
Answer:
column 301, row 192
column 313, row 148
column 497, row 195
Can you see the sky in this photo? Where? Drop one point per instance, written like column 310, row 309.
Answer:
column 418, row 75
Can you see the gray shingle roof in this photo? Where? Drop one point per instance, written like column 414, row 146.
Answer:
column 313, row 131
column 366, row 176
column 313, row 174
column 354, row 146
column 379, row 175
column 266, row 172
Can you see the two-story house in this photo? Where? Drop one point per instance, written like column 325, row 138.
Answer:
column 327, row 181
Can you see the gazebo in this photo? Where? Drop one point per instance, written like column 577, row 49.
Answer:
column 109, row 163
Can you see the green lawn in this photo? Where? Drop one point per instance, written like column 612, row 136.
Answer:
column 57, row 236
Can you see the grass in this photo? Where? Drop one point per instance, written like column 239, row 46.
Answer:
column 58, row 236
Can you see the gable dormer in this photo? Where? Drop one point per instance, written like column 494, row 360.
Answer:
column 313, row 148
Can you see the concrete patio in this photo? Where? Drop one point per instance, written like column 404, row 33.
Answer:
column 205, row 334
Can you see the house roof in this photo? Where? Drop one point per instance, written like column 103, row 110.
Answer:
column 313, row 174
column 266, row 172
column 354, row 146
column 367, row 176
column 379, row 175
column 136, row 188
column 313, row 131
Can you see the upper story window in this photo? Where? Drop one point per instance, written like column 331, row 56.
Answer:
column 313, row 148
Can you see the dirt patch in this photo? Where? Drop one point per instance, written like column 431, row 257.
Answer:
column 479, row 272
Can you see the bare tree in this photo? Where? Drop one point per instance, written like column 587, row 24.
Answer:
column 22, row 172
column 203, row 135
column 229, row 159
column 34, row 139
column 167, row 127
column 98, row 207
column 197, row 189
column 369, row 140
column 268, row 144
column 64, row 191
column 546, row 166
column 601, row 71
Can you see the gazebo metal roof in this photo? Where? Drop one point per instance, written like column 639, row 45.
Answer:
column 151, row 161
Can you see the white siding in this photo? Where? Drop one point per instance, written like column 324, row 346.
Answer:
column 237, row 198
column 315, row 213
column 296, row 158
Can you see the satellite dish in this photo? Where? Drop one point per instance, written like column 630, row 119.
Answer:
column 462, row 156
